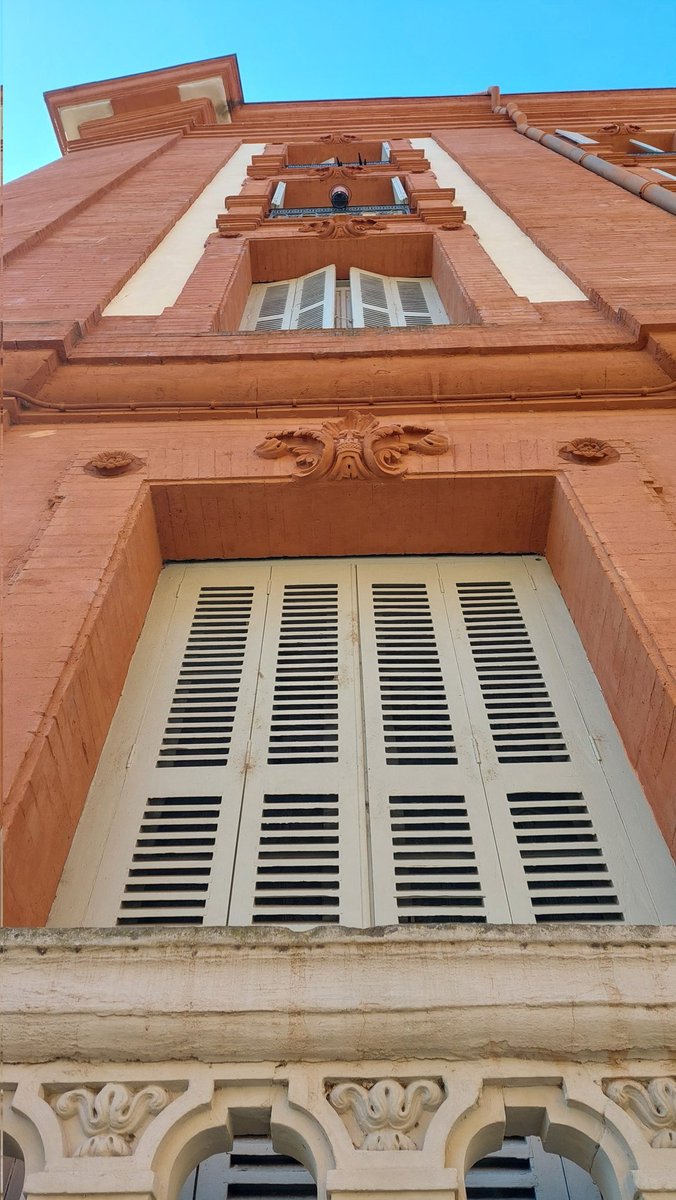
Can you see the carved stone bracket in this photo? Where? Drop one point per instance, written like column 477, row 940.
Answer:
column 353, row 447
column 110, row 1118
column 340, row 227
column 386, row 1115
column 653, row 1105
column 588, row 450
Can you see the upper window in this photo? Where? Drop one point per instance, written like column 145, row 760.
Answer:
column 363, row 742
column 365, row 300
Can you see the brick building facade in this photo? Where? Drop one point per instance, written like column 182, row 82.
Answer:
column 390, row 385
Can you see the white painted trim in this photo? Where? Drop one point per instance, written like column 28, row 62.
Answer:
column 525, row 267
column 74, row 115
column 208, row 89
column 160, row 280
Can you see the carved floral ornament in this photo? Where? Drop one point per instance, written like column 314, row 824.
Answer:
column 588, row 450
column 386, row 1115
column 113, row 462
column 110, row 1117
column 352, row 447
column 340, row 227
column 652, row 1104
column 615, row 127
column 337, row 138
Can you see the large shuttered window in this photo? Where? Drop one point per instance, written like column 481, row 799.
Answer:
column 366, row 742
column 319, row 301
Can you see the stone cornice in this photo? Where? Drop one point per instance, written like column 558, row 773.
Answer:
column 586, row 995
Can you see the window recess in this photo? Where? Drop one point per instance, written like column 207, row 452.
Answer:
column 366, row 742
column 366, row 300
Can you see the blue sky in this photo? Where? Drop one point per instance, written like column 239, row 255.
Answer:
column 290, row 50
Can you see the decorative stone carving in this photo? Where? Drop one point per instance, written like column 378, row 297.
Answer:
column 588, row 450
column 615, row 127
column 387, row 1114
column 352, row 447
column 340, row 227
column 110, row 1117
column 652, row 1104
column 113, row 462
column 338, row 137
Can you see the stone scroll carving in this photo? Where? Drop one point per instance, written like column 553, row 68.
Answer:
column 111, row 1117
column 652, row 1104
column 386, row 1115
column 353, row 447
column 341, row 227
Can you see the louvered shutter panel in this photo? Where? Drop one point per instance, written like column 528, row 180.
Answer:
column 270, row 305
column 523, row 1170
column 418, row 302
column 372, row 303
column 399, row 191
column 314, row 302
column 433, row 852
column 300, row 858
column 385, row 152
column 563, row 846
column 252, row 1170
column 278, row 196
column 172, row 769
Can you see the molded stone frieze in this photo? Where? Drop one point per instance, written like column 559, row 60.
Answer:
column 353, row 447
column 386, row 1115
column 111, row 1117
column 652, row 1104
column 340, row 227
column 588, row 450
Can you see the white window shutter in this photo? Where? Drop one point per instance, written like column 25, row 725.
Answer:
column 300, row 858
column 418, row 303
column 399, row 191
column 564, row 846
column 372, row 302
column 278, row 196
column 433, row 852
column 314, row 302
column 270, row 305
column 156, row 840
column 385, row 152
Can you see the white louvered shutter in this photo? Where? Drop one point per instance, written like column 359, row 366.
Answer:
column 278, row 196
column 372, row 303
column 270, row 305
column 300, row 859
column 433, row 854
column 564, row 848
column 314, row 301
column 399, row 191
column 157, row 838
column 385, row 152
column 417, row 302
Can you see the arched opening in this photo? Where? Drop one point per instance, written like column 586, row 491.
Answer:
column 12, row 1168
column 523, row 1170
column 252, row 1170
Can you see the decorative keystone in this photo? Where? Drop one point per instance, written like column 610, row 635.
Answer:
column 588, row 450
column 353, row 447
column 652, row 1105
column 111, row 1117
column 386, row 1115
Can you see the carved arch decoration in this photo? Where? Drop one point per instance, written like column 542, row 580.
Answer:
column 572, row 1117
column 355, row 446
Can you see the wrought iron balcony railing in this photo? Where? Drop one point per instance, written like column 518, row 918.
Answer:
column 375, row 162
column 384, row 210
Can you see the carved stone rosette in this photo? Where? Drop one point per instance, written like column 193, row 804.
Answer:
column 653, row 1105
column 590, row 451
column 353, row 447
column 386, row 1115
column 113, row 462
column 111, row 1117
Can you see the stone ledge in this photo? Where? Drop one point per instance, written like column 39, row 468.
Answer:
column 255, row 994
